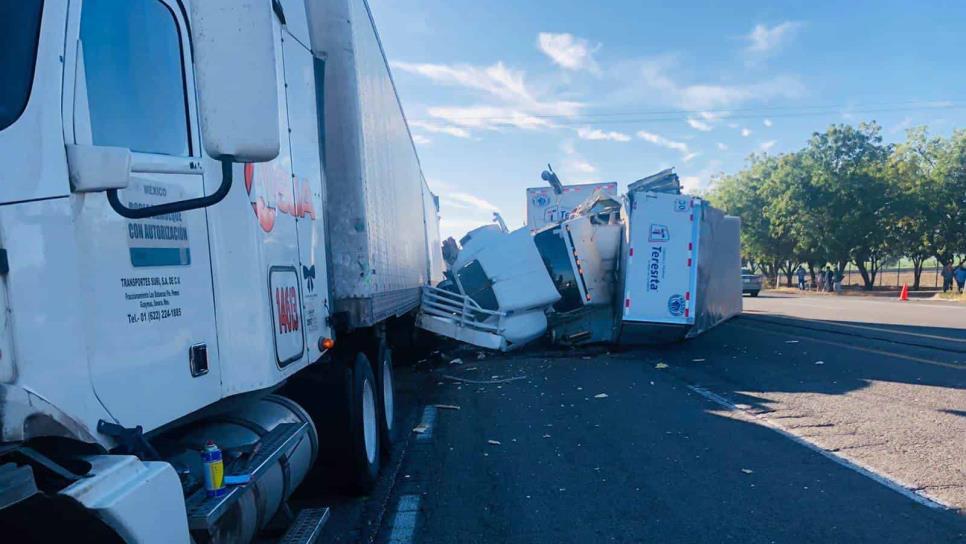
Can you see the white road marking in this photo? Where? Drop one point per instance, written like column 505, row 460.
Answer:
column 428, row 421
column 898, row 487
column 404, row 522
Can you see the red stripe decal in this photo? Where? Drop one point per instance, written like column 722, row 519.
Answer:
column 689, row 262
column 627, row 303
column 631, row 252
column 687, row 295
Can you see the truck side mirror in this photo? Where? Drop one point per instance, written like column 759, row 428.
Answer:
column 234, row 64
column 95, row 168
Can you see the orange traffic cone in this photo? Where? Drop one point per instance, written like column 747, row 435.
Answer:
column 904, row 294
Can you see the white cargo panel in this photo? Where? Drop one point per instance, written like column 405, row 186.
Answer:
column 373, row 177
column 545, row 207
column 661, row 275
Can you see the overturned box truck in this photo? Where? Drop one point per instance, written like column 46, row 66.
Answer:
column 214, row 230
column 654, row 266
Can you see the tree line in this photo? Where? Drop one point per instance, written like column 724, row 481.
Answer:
column 848, row 197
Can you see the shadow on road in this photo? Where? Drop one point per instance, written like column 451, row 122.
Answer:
column 791, row 355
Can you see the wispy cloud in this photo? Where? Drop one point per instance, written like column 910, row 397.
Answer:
column 568, row 51
column 745, row 132
column 698, row 124
column 421, row 140
column 764, row 40
column 467, row 201
column 767, row 145
column 460, row 211
column 488, row 117
column 659, row 140
column 652, row 77
column 722, row 146
column 690, row 184
column 698, row 183
column 689, row 156
column 767, row 122
column 575, row 166
column 516, row 104
column 430, row 126
column 587, row 133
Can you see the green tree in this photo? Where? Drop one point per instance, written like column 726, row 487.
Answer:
column 849, row 195
column 744, row 195
column 947, row 237
column 917, row 206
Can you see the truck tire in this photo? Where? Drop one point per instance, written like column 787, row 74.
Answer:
column 363, row 443
column 754, row 293
column 385, row 380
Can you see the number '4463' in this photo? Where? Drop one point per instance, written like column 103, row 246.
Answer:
column 286, row 300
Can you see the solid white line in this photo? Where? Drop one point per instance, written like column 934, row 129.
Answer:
column 894, row 485
column 404, row 522
column 428, row 421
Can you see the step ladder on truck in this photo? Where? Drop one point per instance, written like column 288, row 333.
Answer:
column 214, row 229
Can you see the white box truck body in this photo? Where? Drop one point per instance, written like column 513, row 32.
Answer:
column 545, row 206
column 681, row 267
column 174, row 249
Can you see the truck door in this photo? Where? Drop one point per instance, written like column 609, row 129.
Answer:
column 303, row 87
column 150, row 312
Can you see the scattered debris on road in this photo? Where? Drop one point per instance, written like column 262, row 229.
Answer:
column 420, row 429
column 484, row 382
column 820, row 362
column 456, row 361
column 600, row 396
column 447, row 406
column 791, row 341
column 493, row 442
column 699, row 360
column 661, row 365
column 747, row 471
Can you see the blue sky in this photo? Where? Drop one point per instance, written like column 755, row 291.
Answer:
column 613, row 92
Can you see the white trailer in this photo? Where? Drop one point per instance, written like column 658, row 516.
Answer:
column 148, row 304
column 545, row 206
column 681, row 267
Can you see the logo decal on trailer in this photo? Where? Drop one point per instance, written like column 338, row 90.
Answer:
column 675, row 305
column 273, row 194
column 680, row 204
column 308, row 272
column 658, row 233
column 655, row 268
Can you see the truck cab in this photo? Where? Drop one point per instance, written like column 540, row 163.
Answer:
column 165, row 261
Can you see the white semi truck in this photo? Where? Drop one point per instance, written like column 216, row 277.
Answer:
column 213, row 227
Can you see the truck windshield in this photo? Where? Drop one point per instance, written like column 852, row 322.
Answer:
column 20, row 28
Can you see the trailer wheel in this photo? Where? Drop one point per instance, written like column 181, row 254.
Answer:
column 363, row 426
column 387, row 399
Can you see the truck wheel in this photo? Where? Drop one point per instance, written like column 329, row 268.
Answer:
column 754, row 293
column 363, row 426
column 387, row 400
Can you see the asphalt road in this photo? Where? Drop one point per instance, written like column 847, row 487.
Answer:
column 815, row 419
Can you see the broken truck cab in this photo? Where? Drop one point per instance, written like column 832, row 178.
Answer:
column 657, row 267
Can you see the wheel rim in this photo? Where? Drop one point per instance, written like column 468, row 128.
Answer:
column 387, row 399
column 369, row 420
